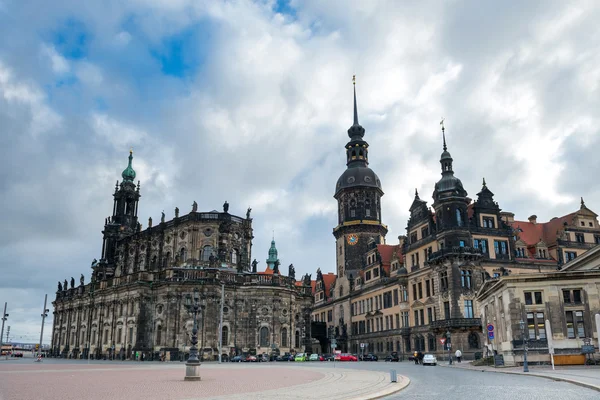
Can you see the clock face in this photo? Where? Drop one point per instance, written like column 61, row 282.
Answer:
column 352, row 239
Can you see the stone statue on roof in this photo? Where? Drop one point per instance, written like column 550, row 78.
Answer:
column 225, row 207
column 254, row 264
column 59, row 286
column 248, row 213
column 276, row 267
column 72, row 283
column 81, row 279
column 194, row 206
column 292, row 271
column 162, row 218
column 306, row 279
column 176, row 212
column 65, row 285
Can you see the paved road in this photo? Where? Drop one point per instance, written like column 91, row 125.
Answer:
column 444, row 383
column 453, row 383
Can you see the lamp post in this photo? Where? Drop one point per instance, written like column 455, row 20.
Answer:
column 4, row 318
column 44, row 315
column 192, row 366
column 525, row 366
column 448, row 345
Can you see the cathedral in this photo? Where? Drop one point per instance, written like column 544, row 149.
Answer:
column 138, row 301
column 420, row 293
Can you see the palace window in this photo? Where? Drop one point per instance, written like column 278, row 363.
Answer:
column 501, row 247
column 422, row 316
column 395, row 297
column 520, row 252
column 444, row 280
column 461, row 243
column 597, row 239
column 159, row 335
column 404, row 294
column 570, row 255
column 405, row 322
column 414, row 291
column 329, row 315
column 206, row 253
column 572, row 296
column 368, row 276
column 481, row 244
column 466, row 278
column 533, row 298
column 284, row 338
column 429, row 315
column 469, row 309
column 488, row 222
column 536, row 325
column 459, row 217
column 579, row 238
column 424, row 232
column 420, row 285
column 130, row 336
column 446, row 310
column 431, row 342
column 473, row 340
column 427, row 288
column 225, row 336
column 375, row 272
column 416, row 318
column 264, row 337
column 575, row 327
column 234, row 256
column 413, row 237
column 297, row 339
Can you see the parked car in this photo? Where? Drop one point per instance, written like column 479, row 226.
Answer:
column 345, row 357
column 291, row 357
column 300, row 357
column 263, row 357
column 392, row 357
column 328, row 357
column 370, row 357
column 251, row 359
column 238, row 359
column 429, row 359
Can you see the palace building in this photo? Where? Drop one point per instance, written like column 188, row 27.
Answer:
column 421, row 293
column 137, row 300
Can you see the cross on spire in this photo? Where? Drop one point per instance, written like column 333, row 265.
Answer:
column 443, row 133
column 355, row 108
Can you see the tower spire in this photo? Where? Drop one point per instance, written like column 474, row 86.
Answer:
column 355, row 107
column 443, row 134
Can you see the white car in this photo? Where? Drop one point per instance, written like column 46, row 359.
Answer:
column 429, row 359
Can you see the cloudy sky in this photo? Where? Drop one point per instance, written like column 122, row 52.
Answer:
column 249, row 102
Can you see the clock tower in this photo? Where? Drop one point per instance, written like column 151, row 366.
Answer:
column 358, row 193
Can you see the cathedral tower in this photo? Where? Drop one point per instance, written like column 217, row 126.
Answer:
column 123, row 222
column 358, row 193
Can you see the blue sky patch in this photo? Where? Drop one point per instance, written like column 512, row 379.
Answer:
column 284, row 7
column 72, row 39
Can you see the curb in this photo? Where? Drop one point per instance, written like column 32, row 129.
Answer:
column 402, row 383
column 553, row 378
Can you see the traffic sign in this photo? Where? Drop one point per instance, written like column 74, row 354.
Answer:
column 442, row 341
column 491, row 334
column 490, row 328
column 362, row 345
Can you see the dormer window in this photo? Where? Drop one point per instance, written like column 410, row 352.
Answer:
column 488, row 222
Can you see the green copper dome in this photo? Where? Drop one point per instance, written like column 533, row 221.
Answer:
column 129, row 174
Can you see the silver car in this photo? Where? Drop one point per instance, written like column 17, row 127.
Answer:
column 429, row 359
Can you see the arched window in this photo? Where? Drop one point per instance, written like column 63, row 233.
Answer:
column 225, row 336
column 459, row 217
column 154, row 262
column 284, row 338
column 182, row 254
column 431, row 344
column 264, row 337
column 158, row 334
column 297, row 339
column 234, row 257
column 367, row 208
column 206, row 253
column 473, row 340
column 167, row 260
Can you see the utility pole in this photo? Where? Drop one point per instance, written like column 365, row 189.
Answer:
column 7, row 334
column 4, row 318
column 44, row 315
column 221, row 323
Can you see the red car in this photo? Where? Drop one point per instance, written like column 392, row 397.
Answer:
column 345, row 357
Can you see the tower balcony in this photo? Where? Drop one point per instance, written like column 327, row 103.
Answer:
column 456, row 323
column 455, row 251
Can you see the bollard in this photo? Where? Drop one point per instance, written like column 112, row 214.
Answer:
column 393, row 376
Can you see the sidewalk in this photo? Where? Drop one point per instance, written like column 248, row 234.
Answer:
column 586, row 376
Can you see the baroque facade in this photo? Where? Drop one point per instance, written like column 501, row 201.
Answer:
column 422, row 291
column 140, row 288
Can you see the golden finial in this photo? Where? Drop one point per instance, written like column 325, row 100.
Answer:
column 131, row 150
column 354, row 79
column 442, row 123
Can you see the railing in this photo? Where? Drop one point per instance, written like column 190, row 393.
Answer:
column 456, row 250
column 455, row 323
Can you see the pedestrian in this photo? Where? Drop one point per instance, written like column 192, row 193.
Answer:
column 420, row 356
column 458, row 355
column 416, row 358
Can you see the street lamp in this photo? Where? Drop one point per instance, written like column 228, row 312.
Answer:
column 4, row 318
column 525, row 366
column 44, row 315
column 448, row 344
column 192, row 366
